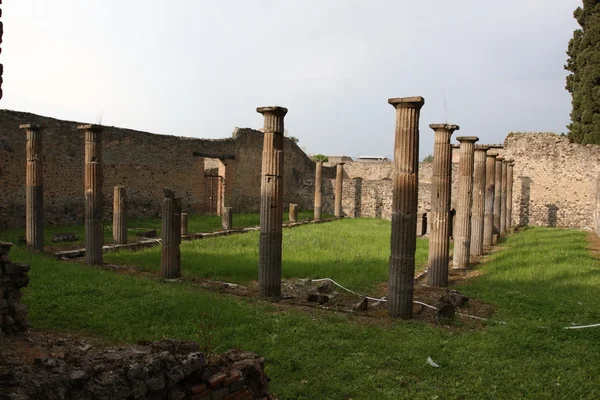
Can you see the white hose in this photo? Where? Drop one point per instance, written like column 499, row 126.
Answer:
column 582, row 326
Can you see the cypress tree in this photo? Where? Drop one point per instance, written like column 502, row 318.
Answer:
column 584, row 81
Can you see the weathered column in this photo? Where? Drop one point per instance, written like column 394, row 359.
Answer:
column 439, row 217
column 184, row 224
column 490, row 176
column 462, row 230
column 509, row 194
column 339, row 182
column 119, row 215
column 318, row 189
column 293, row 216
column 227, row 218
column 170, row 267
column 497, row 198
column 503, row 199
column 94, row 232
column 403, row 241
column 271, row 202
column 478, row 208
column 34, row 188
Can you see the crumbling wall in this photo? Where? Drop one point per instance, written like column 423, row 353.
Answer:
column 13, row 277
column 169, row 369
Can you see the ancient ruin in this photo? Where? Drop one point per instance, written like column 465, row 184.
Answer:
column 184, row 224
column 497, row 198
column 293, row 212
column 13, row 278
column 318, row 190
column 170, row 266
column 404, row 209
column 271, row 206
column 227, row 218
column 478, row 208
column 34, row 188
column 439, row 217
column 339, row 182
column 93, row 180
column 503, row 198
column 462, row 230
column 119, row 215
column 509, row 194
column 490, row 195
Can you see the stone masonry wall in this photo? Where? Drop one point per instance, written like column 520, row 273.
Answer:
column 13, row 277
column 142, row 162
column 169, row 369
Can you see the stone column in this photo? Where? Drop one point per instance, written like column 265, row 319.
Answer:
column 339, row 182
column 478, row 209
column 170, row 267
column 227, row 218
column 271, row 203
column 462, row 230
column 403, row 241
column 119, row 215
column 318, row 190
column 34, row 188
column 184, row 224
column 509, row 194
column 439, row 217
column 293, row 217
column 497, row 198
column 94, row 232
column 503, row 199
column 490, row 176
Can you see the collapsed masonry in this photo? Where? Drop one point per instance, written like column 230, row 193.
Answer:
column 13, row 277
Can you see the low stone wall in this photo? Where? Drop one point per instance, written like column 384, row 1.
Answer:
column 13, row 277
column 169, row 369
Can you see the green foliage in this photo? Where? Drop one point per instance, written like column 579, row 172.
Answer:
column 584, row 81
column 321, row 157
column 428, row 158
column 541, row 281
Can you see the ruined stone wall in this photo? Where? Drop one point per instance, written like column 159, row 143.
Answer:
column 13, row 277
column 142, row 162
column 555, row 182
column 169, row 369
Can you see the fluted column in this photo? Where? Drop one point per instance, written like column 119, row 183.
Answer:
column 94, row 232
column 227, row 218
column 119, row 215
column 404, row 206
column 497, row 197
column 490, row 177
column 503, row 198
column 439, row 216
column 271, row 202
column 34, row 188
column 462, row 230
column 339, row 182
column 184, row 224
column 318, row 190
column 509, row 194
column 293, row 212
column 170, row 267
column 478, row 208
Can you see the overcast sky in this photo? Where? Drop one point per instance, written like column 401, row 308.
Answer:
column 201, row 67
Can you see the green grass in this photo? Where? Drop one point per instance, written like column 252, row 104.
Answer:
column 541, row 281
column 352, row 252
column 196, row 223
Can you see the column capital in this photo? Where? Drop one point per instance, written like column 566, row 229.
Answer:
column 31, row 127
column 467, row 139
column 91, row 127
column 274, row 110
column 482, row 147
column 444, row 127
column 499, row 158
column 407, row 102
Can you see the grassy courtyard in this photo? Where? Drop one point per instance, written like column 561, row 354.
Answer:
column 541, row 281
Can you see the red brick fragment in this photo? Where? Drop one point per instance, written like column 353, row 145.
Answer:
column 234, row 376
column 216, row 379
column 199, row 388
